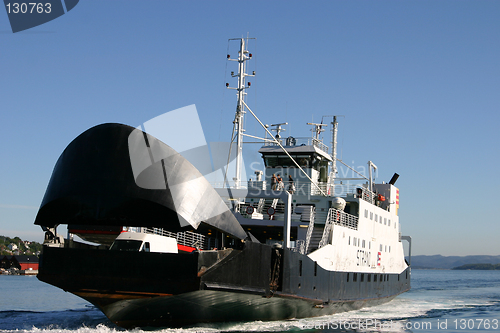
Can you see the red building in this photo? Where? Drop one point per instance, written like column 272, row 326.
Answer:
column 21, row 262
column 26, row 262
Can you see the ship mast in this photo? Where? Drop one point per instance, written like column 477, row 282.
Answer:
column 335, row 128
column 243, row 56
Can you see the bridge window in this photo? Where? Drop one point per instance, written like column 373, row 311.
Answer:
column 285, row 161
column 273, row 161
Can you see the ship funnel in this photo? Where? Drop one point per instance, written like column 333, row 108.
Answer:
column 394, row 179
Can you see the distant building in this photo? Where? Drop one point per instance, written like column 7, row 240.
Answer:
column 21, row 262
column 24, row 262
column 5, row 262
column 12, row 246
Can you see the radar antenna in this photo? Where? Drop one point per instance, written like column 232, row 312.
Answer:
column 278, row 129
column 317, row 129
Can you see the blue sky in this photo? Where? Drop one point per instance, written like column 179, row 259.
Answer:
column 417, row 81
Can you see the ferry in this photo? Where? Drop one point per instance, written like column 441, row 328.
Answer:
column 163, row 247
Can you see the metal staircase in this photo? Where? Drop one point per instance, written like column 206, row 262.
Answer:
column 316, row 236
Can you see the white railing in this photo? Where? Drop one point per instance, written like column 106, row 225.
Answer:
column 186, row 238
column 260, row 206
column 340, row 218
column 252, row 184
column 320, row 145
column 310, row 229
column 327, row 231
column 345, row 220
column 306, row 188
column 366, row 194
column 307, row 141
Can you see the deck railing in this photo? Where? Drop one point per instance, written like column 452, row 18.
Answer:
column 306, row 188
column 340, row 218
column 307, row 141
column 186, row 238
column 310, row 229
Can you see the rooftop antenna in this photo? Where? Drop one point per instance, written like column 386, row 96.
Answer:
column 335, row 129
column 317, row 129
column 278, row 129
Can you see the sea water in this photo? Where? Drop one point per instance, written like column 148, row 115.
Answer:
column 439, row 301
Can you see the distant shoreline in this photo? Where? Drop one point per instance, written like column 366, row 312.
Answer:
column 482, row 267
column 451, row 262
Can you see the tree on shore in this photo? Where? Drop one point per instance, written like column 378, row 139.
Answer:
column 31, row 248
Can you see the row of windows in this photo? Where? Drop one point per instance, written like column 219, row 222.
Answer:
column 369, row 276
column 361, row 243
column 379, row 219
column 379, row 277
column 387, row 248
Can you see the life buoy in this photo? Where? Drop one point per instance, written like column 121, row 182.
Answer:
column 250, row 210
column 271, row 211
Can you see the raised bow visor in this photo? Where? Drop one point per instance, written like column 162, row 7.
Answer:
column 117, row 175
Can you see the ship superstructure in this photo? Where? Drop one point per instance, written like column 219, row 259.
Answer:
column 347, row 224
